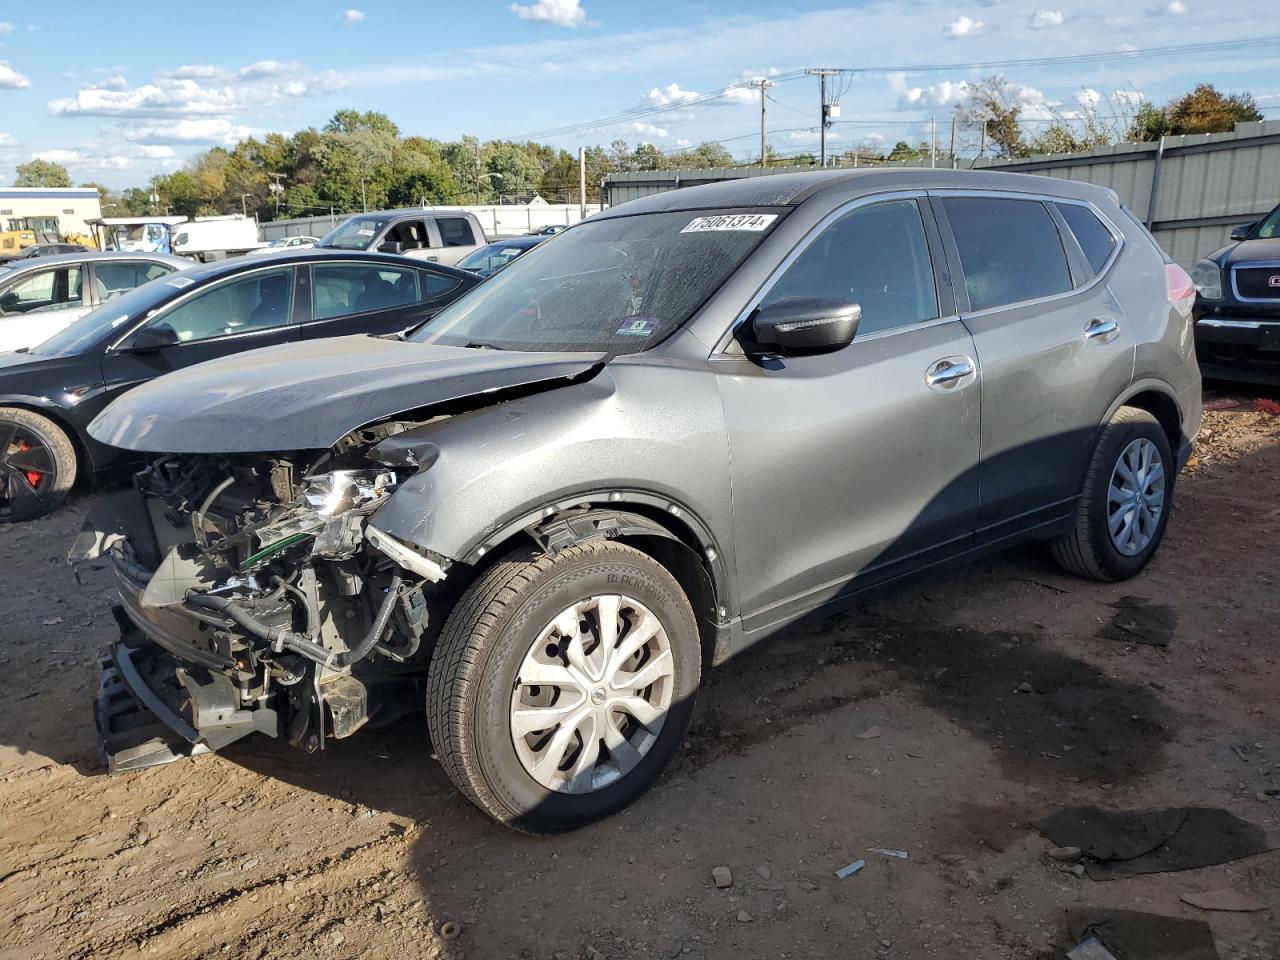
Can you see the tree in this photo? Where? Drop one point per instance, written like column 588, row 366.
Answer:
column 994, row 102
column 1150, row 123
column 1205, row 110
column 41, row 173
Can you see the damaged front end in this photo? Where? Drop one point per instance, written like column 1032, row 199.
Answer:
column 255, row 596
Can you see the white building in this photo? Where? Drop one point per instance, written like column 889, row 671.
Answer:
column 73, row 206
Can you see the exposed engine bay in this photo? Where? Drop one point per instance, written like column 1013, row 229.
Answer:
column 261, row 576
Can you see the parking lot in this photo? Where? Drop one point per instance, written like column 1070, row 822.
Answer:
column 938, row 718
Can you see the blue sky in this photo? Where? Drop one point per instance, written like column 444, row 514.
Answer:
column 118, row 93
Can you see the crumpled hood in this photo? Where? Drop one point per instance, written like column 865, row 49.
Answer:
column 307, row 396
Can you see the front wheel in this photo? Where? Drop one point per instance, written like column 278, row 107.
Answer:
column 37, row 465
column 1124, row 507
column 561, row 686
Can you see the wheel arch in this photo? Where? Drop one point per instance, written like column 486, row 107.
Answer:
column 53, row 413
column 1158, row 399
column 667, row 531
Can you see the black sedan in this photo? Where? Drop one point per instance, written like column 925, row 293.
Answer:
column 50, row 393
column 1237, row 308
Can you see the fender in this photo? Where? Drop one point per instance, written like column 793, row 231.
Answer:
column 597, row 514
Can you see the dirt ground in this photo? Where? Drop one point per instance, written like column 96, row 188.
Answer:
column 367, row 851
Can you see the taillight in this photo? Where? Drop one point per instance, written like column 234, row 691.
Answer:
column 1180, row 288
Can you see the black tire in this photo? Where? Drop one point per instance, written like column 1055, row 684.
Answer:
column 475, row 666
column 37, row 465
column 1087, row 550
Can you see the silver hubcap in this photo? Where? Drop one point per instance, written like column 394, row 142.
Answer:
column 1136, row 497
column 592, row 694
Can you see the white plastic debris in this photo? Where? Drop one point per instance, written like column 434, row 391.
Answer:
column 899, row 854
column 851, row 869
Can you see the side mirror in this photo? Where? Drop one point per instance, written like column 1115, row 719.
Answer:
column 1241, row 231
column 391, row 246
column 8, row 300
column 799, row 325
column 151, row 337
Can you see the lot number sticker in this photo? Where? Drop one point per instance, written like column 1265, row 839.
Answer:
column 754, row 222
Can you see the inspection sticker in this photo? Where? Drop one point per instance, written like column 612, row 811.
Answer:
column 754, row 222
column 180, row 282
column 637, row 326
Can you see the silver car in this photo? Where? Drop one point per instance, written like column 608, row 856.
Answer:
column 633, row 453
column 42, row 295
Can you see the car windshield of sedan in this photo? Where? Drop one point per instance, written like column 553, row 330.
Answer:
column 84, row 333
column 355, row 234
column 620, row 285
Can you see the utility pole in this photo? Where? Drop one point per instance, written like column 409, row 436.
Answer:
column 277, row 189
column 477, row 173
column 824, row 116
column 582, row 183
column 764, row 85
column 982, row 141
column 244, row 207
column 953, row 138
column 933, row 142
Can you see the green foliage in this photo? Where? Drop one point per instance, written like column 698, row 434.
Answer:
column 41, row 173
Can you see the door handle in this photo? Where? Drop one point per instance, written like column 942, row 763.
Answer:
column 1101, row 328
column 949, row 371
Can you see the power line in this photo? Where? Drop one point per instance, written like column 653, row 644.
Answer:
column 846, row 74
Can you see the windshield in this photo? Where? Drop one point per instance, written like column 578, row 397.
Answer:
column 355, row 234
column 492, row 258
column 619, row 285
column 1269, row 228
column 95, row 325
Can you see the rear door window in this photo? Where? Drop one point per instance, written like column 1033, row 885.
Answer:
column 455, row 232
column 1010, row 250
column 346, row 288
column 876, row 256
column 410, row 234
column 1094, row 238
column 113, row 279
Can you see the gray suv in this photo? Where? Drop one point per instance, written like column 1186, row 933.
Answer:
column 641, row 448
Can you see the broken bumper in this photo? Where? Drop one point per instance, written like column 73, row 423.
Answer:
column 152, row 708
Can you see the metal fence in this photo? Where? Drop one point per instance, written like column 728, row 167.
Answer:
column 1190, row 190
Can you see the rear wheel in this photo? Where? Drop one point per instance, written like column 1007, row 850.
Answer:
column 1124, row 506
column 37, row 465
column 561, row 686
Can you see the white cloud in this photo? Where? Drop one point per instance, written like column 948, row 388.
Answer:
column 58, row 156
column 682, row 142
column 671, row 93
column 1176, row 7
column 963, row 26
column 350, row 17
column 88, row 160
column 198, row 71
column 212, row 130
column 184, row 97
column 562, row 13
column 1128, row 97
column 1089, row 98
column 648, row 130
column 6, row 27
column 11, row 79
column 267, row 68
column 935, row 95
column 6, row 140
column 167, row 96
column 1046, row 19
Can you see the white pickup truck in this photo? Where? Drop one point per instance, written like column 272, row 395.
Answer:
column 445, row 237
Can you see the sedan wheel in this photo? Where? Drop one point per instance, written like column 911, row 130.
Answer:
column 37, row 465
